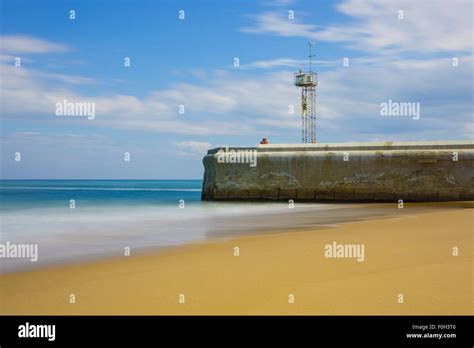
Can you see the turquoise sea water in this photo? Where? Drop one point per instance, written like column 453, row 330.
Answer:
column 110, row 215
column 27, row 194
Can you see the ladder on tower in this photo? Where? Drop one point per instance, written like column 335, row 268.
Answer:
column 308, row 81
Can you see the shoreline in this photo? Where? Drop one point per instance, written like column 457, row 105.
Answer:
column 304, row 217
column 405, row 254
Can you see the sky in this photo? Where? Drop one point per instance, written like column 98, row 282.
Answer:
column 366, row 53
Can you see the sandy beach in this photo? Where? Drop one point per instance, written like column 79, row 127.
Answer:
column 275, row 273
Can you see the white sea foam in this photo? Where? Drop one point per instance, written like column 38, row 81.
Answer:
column 83, row 233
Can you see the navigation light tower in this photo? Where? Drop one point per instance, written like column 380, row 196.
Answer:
column 308, row 82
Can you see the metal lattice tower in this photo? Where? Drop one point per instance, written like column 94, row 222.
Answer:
column 308, row 82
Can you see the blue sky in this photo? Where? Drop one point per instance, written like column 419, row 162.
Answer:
column 190, row 62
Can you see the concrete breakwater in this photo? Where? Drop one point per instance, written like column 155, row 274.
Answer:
column 376, row 171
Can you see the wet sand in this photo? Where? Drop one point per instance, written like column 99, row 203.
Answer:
column 407, row 253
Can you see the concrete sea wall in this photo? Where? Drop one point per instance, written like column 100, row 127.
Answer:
column 412, row 171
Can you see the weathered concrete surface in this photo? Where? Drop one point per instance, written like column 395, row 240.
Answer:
column 412, row 171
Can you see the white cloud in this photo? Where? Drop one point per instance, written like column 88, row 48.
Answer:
column 58, row 140
column 195, row 99
column 293, row 64
column 278, row 23
column 192, row 148
column 427, row 26
column 7, row 58
column 26, row 94
column 69, row 79
column 347, row 103
column 273, row 63
column 20, row 44
column 236, row 102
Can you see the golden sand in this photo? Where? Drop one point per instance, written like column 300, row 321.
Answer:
column 411, row 255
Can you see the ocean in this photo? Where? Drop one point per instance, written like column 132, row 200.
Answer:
column 87, row 219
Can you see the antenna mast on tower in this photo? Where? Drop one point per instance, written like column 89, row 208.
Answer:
column 308, row 82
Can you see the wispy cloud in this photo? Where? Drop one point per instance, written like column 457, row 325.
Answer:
column 294, row 64
column 348, row 98
column 348, row 101
column 28, row 94
column 426, row 26
column 272, row 63
column 20, row 44
column 192, row 148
